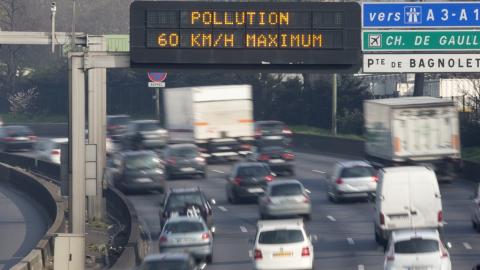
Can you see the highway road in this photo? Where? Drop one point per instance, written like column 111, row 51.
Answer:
column 344, row 231
column 22, row 225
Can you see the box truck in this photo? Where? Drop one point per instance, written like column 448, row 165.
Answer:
column 218, row 119
column 413, row 131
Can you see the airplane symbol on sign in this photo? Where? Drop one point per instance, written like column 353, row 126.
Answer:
column 375, row 40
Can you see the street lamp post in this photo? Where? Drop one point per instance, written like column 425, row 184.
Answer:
column 53, row 9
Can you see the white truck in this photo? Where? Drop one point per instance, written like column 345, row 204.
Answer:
column 218, row 119
column 413, row 131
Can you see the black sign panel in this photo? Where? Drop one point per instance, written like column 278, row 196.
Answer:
column 243, row 35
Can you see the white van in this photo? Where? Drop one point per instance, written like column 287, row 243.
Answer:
column 407, row 198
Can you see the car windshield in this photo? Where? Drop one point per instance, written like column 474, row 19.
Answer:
column 150, row 126
column 272, row 128
column 416, row 246
column 18, row 131
column 358, row 171
column 166, row 265
column 272, row 150
column 252, row 171
column 181, row 200
column 280, row 237
column 184, row 227
column 184, row 152
column 286, row 190
column 116, row 121
column 142, row 161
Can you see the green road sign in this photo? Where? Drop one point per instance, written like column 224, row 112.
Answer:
column 420, row 40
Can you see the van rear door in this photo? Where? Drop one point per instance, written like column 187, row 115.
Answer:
column 396, row 205
column 425, row 200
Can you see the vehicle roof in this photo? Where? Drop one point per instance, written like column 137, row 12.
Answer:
column 59, row 140
column 182, row 145
column 408, row 234
column 405, row 169
column 117, row 115
column 186, row 218
column 353, row 163
column 184, row 190
column 284, row 182
column 166, row 256
column 280, row 223
column 412, row 101
column 269, row 122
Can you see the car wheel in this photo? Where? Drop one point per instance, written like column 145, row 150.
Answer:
column 377, row 238
column 209, row 258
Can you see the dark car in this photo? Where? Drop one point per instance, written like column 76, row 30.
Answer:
column 16, row 138
column 247, row 181
column 170, row 261
column 184, row 159
column 137, row 171
column 184, row 200
column 117, row 126
column 145, row 134
column 279, row 158
column 267, row 132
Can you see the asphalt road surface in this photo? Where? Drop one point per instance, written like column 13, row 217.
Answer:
column 22, row 225
column 344, row 231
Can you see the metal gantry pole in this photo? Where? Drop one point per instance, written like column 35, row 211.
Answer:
column 77, row 153
column 334, row 104
column 157, row 103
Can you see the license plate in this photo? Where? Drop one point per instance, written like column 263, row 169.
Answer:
column 255, row 190
column 185, row 240
column 144, row 180
column 400, row 216
column 420, row 268
column 283, row 254
column 189, row 169
column 277, row 161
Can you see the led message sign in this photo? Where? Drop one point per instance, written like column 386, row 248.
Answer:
column 323, row 35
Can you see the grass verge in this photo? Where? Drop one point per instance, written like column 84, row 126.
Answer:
column 307, row 130
column 471, row 153
column 11, row 118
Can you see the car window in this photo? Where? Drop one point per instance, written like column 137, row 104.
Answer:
column 18, row 131
column 186, row 152
column 116, row 121
column 182, row 199
column 148, row 126
column 273, row 149
column 286, row 190
column 166, row 265
column 138, row 162
column 273, row 128
column 416, row 246
column 280, row 237
column 358, row 171
column 184, row 227
column 252, row 171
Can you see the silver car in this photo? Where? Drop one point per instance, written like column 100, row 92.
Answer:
column 187, row 234
column 351, row 179
column 285, row 198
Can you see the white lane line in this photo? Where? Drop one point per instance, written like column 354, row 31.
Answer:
column 243, row 229
column 350, row 241
column 217, row 171
column 318, row 171
column 361, row 267
column 250, row 254
column 467, row 246
column 222, row 208
column 331, row 218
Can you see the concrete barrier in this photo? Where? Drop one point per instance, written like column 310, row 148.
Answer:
column 45, row 194
column 328, row 145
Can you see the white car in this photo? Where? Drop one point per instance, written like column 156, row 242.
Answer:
column 476, row 210
column 281, row 245
column 416, row 249
column 49, row 149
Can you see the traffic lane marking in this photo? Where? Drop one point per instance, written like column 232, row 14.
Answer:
column 218, row 171
column 243, row 229
column 331, row 218
column 467, row 246
column 318, row 171
column 361, row 267
column 222, row 208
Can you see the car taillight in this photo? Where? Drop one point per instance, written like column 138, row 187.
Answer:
column 205, row 236
column 339, row 181
column 287, row 131
column 288, row 156
column 390, row 255
column 444, row 252
column 200, row 159
column 375, row 178
column 257, row 255
column 305, row 252
column 269, row 178
column 55, row 152
column 163, row 239
column 171, row 161
column 32, row 138
column 440, row 216
column 264, row 157
column 8, row 139
column 382, row 219
column 237, row 181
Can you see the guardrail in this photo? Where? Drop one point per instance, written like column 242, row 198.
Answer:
column 47, row 195
column 131, row 241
